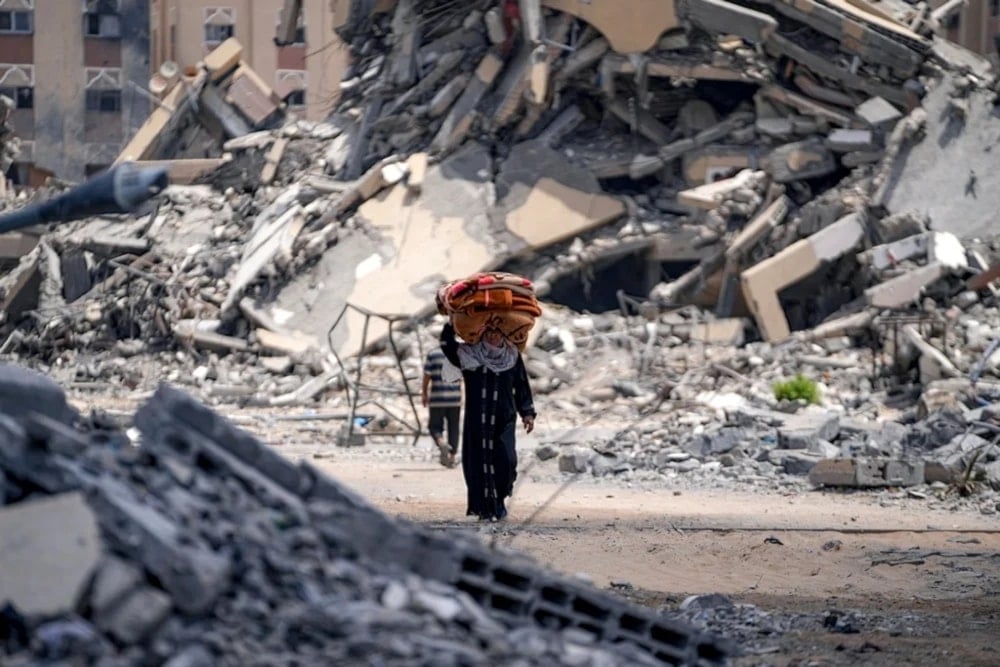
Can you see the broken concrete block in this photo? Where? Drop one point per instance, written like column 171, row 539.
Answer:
column 49, row 550
column 833, row 472
column 824, row 449
column 277, row 365
column 793, row 461
column 856, row 159
column 546, row 452
column 903, row 473
column 417, row 165
column 887, row 255
column 137, row 616
column 805, row 105
column 906, row 288
column 576, row 461
column 23, row 391
column 846, row 141
column 806, row 430
column 800, row 160
column 935, row 471
column 716, row 442
column 762, row 282
column 878, row 113
column 945, row 249
column 459, row 119
column 779, row 128
column 758, row 228
column 495, row 30
column 730, row 331
column 114, row 580
column 708, row 197
column 868, row 472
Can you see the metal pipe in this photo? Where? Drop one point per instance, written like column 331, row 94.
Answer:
column 120, row 189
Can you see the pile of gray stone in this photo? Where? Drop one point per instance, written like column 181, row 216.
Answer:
column 186, row 542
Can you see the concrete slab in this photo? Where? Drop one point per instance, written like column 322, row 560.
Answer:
column 630, row 26
column 951, row 174
column 904, row 289
column 878, row 113
column 762, row 282
column 49, row 550
column 449, row 229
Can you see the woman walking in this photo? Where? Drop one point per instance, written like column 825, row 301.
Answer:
column 496, row 392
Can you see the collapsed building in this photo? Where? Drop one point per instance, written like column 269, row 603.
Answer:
column 727, row 173
column 742, row 157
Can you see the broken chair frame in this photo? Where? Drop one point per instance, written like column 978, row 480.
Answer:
column 353, row 388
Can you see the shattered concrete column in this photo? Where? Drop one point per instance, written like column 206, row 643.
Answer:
column 444, row 66
column 458, row 122
column 580, row 60
column 762, row 282
column 531, row 20
column 406, row 30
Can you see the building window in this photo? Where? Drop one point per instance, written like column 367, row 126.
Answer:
column 102, row 25
column 17, row 22
column 296, row 98
column 218, row 33
column 219, row 24
column 300, row 36
column 23, row 96
column 104, row 100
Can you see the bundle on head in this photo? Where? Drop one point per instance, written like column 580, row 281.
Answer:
column 502, row 301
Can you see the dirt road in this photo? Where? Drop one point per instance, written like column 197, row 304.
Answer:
column 846, row 580
column 812, row 578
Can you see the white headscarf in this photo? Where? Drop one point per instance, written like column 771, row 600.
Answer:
column 497, row 358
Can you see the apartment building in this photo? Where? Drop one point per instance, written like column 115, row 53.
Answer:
column 975, row 25
column 77, row 72
column 306, row 74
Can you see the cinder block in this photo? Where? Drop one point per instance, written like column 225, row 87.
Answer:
column 935, row 471
column 870, row 472
column 833, row 472
column 904, row 473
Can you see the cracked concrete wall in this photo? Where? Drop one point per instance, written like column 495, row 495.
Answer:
column 59, row 97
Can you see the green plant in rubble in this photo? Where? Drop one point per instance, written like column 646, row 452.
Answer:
column 799, row 387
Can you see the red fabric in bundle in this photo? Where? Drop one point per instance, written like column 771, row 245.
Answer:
column 503, row 301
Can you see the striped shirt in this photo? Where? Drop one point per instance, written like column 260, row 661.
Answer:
column 442, row 394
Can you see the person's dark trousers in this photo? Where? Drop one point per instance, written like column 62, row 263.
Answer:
column 441, row 418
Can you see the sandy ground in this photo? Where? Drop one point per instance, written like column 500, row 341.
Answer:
column 926, row 583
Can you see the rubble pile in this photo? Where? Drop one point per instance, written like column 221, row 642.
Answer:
column 748, row 153
column 668, row 400
column 740, row 191
column 187, row 542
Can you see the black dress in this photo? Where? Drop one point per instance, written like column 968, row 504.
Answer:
column 493, row 402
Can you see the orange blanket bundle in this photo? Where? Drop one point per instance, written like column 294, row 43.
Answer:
column 497, row 300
